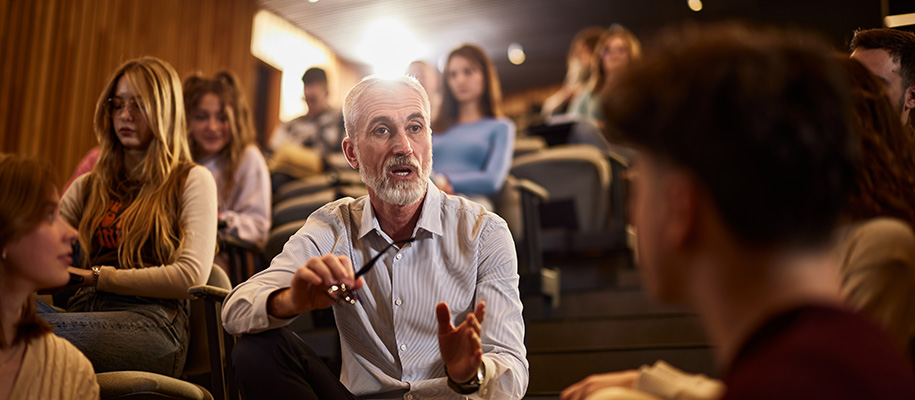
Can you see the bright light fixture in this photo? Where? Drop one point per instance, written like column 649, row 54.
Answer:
column 892, row 21
column 389, row 47
column 516, row 54
column 695, row 5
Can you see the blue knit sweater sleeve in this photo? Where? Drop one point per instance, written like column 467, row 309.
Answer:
column 473, row 177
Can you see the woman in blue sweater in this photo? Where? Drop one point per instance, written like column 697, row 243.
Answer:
column 472, row 142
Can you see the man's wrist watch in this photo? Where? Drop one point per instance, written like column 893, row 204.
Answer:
column 470, row 386
column 96, row 270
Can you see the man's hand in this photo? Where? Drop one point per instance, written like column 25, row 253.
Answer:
column 460, row 347
column 593, row 383
column 308, row 289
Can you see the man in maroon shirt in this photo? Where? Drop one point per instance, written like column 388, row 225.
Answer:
column 746, row 157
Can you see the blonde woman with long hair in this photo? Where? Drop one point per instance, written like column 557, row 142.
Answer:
column 146, row 216
column 221, row 138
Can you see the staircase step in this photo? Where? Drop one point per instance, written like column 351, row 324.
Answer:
column 610, row 303
column 599, row 334
column 552, row 372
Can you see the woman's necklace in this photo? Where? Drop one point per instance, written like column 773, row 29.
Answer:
column 12, row 356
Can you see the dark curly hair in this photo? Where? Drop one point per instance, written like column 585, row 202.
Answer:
column 885, row 179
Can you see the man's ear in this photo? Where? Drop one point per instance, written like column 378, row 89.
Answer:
column 350, row 152
column 908, row 98
column 682, row 209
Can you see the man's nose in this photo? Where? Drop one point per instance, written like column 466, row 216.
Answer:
column 402, row 144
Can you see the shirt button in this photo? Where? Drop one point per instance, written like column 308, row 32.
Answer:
column 403, row 347
column 409, row 397
column 398, row 257
column 398, row 302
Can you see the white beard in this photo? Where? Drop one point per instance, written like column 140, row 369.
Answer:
column 397, row 192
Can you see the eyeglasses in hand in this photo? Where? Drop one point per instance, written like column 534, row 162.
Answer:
column 344, row 295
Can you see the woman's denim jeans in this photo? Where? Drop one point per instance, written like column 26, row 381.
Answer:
column 119, row 333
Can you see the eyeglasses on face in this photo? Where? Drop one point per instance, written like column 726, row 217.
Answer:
column 115, row 106
column 344, row 295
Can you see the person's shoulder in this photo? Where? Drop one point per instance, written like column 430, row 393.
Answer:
column 199, row 178
column 80, row 182
column 878, row 239
column 466, row 209
column 331, row 115
column 885, row 230
column 819, row 352
column 56, row 348
column 198, row 172
column 336, row 210
column 502, row 124
column 253, row 155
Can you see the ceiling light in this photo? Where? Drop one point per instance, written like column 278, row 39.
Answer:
column 695, row 5
column 389, row 47
column 516, row 54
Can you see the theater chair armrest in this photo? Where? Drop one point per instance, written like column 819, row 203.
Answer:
column 526, row 186
column 207, row 291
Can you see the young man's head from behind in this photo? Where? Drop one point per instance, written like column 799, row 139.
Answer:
column 745, row 143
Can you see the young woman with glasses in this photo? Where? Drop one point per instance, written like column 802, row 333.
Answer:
column 146, row 216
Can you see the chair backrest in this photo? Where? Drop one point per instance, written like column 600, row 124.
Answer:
column 198, row 359
column 579, row 174
column 279, row 235
column 304, row 186
column 298, row 208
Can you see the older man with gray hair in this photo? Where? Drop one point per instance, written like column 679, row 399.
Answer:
column 447, row 251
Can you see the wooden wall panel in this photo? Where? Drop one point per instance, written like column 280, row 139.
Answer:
column 56, row 57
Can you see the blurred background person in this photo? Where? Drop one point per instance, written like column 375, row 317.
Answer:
column 615, row 50
column 147, row 227
column 472, row 141
column 221, row 138
column 37, row 246
column 578, row 71
column 301, row 147
column 890, row 55
column 431, row 80
column 876, row 245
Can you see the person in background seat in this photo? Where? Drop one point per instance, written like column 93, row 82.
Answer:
column 472, row 141
column 221, row 138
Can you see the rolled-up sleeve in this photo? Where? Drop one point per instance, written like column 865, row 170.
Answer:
column 245, row 309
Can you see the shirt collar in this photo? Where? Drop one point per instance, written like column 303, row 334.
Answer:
column 429, row 217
